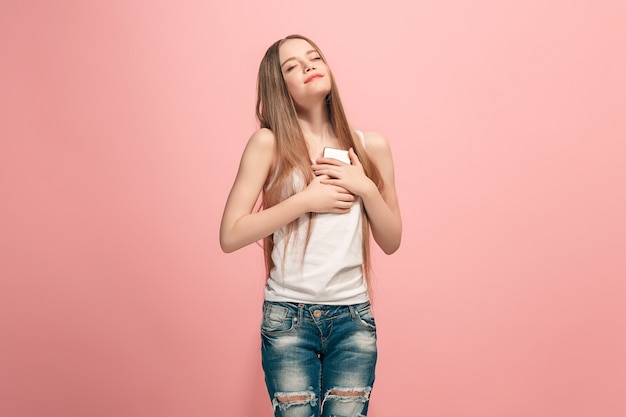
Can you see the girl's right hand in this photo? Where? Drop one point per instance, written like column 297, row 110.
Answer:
column 326, row 198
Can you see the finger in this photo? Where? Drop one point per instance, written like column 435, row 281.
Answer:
column 343, row 209
column 354, row 159
column 335, row 182
column 329, row 180
column 324, row 168
column 347, row 202
column 320, row 177
column 332, row 174
column 328, row 161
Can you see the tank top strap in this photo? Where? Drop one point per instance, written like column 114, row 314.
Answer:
column 362, row 136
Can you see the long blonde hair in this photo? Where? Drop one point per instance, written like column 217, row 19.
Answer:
column 276, row 111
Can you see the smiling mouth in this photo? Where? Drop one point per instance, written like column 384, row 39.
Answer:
column 312, row 77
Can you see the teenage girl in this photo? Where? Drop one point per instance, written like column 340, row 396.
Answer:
column 318, row 332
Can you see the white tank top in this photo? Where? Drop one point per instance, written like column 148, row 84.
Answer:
column 330, row 270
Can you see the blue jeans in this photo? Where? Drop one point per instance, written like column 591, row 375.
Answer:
column 319, row 360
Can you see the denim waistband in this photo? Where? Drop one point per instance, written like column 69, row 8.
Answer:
column 319, row 311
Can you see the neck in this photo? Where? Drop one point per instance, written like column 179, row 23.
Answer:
column 315, row 122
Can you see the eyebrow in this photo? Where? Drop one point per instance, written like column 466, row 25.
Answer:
column 312, row 51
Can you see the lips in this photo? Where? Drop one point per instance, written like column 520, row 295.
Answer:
column 312, row 77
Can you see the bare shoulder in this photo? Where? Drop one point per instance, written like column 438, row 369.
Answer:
column 376, row 145
column 258, row 156
column 260, row 148
column 263, row 139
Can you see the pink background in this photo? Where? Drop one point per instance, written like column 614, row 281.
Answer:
column 122, row 124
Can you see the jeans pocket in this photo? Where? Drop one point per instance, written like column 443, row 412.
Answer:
column 366, row 317
column 276, row 319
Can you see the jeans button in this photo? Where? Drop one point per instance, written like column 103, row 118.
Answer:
column 317, row 314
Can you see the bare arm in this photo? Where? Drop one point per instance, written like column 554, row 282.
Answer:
column 240, row 226
column 382, row 208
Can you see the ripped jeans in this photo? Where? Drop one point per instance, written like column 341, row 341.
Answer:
column 319, row 360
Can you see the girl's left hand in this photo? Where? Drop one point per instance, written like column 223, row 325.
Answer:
column 349, row 176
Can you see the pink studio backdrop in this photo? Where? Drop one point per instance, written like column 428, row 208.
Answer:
column 121, row 128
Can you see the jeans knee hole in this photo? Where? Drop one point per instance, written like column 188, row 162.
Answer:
column 284, row 400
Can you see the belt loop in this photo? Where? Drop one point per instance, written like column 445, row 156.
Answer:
column 300, row 315
column 352, row 312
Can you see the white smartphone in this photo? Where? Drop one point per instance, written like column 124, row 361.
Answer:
column 339, row 154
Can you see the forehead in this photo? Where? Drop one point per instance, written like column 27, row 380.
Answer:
column 294, row 48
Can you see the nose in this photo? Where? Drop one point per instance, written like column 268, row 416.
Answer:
column 310, row 66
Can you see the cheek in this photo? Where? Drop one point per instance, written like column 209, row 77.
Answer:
column 292, row 86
